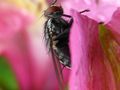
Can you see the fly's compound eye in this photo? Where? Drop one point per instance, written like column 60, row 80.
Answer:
column 57, row 14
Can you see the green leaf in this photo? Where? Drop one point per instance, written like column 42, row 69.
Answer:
column 7, row 77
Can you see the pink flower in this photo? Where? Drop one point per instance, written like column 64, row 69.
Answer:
column 94, row 50
column 94, row 47
column 91, row 70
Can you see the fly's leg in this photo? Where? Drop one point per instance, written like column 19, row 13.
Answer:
column 86, row 10
column 71, row 19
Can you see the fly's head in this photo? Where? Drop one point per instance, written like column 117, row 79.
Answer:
column 54, row 12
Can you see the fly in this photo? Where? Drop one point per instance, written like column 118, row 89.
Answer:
column 56, row 33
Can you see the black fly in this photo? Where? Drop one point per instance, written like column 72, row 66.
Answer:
column 57, row 33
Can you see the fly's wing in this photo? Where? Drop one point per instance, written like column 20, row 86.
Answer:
column 58, row 69
column 49, row 45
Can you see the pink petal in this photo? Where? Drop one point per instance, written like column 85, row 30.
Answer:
column 26, row 56
column 90, row 69
column 30, row 64
column 41, row 60
column 12, row 19
column 100, row 10
column 114, row 24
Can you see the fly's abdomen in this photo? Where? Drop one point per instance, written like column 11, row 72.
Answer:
column 63, row 55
